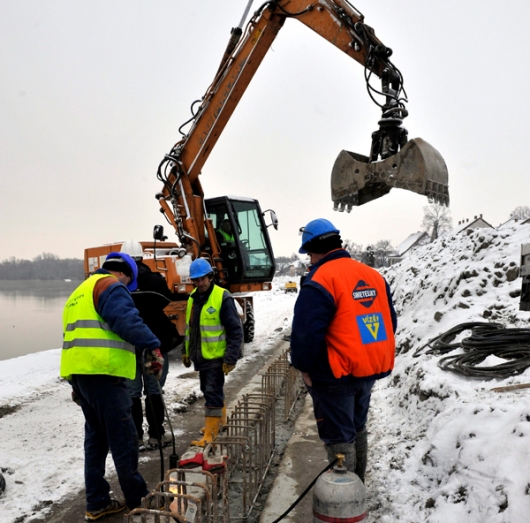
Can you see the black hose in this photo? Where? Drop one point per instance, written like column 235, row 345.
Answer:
column 441, row 344
column 158, row 435
column 309, row 487
column 486, row 339
column 174, row 458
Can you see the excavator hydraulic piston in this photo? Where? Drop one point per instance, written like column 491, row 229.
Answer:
column 417, row 167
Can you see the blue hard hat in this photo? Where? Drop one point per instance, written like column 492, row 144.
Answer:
column 121, row 261
column 199, row 268
column 319, row 228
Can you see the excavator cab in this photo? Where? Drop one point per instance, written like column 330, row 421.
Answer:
column 241, row 232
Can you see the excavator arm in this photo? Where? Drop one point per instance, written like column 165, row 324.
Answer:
column 393, row 162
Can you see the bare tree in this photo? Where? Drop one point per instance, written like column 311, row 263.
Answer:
column 353, row 248
column 383, row 248
column 283, row 263
column 436, row 220
column 368, row 256
column 520, row 213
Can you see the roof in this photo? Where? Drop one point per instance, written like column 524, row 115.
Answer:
column 411, row 241
column 477, row 222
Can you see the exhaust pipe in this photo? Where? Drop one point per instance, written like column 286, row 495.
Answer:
column 417, row 167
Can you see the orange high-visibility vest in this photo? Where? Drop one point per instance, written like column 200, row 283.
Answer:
column 360, row 338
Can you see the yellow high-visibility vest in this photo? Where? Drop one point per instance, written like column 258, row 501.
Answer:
column 89, row 346
column 213, row 334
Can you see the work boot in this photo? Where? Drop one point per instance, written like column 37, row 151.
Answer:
column 138, row 417
column 154, row 412
column 212, row 426
column 361, row 451
column 165, row 439
column 348, row 449
column 223, row 420
column 112, row 508
column 223, row 417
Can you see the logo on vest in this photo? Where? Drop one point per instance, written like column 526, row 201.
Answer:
column 372, row 328
column 210, row 310
column 364, row 294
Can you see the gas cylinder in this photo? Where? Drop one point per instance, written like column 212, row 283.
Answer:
column 339, row 496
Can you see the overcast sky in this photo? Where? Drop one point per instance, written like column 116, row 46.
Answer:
column 92, row 95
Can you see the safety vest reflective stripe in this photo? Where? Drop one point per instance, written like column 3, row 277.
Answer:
column 215, row 327
column 87, row 324
column 98, row 344
column 213, row 339
column 207, row 339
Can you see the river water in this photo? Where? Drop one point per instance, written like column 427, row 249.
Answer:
column 31, row 315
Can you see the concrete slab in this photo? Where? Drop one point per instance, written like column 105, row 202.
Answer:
column 303, row 459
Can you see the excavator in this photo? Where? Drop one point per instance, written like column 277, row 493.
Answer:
column 231, row 232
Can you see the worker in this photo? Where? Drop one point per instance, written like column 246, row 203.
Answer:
column 342, row 340
column 225, row 234
column 151, row 297
column 212, row 342
column 101, row 330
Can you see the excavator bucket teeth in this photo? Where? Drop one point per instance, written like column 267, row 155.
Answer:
column 418, row 167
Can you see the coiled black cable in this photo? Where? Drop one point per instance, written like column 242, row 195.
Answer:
column 441, row 344
column 486, row 339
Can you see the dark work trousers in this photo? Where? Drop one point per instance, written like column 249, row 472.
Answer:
column 212, row 380
column 106, row 404
column 341, row 410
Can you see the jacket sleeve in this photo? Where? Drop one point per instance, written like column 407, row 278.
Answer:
column 313, row 312
column 116, row 306
column 234, row 330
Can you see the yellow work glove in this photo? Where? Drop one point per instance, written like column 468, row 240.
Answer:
column 186, row 361
column 228, row 368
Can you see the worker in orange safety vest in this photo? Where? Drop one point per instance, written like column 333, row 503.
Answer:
column 342, row 340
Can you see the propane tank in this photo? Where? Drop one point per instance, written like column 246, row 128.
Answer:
column 339, row 496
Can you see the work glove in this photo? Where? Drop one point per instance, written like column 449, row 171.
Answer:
column 154, row 363
column 227, row 368
column 186, row 361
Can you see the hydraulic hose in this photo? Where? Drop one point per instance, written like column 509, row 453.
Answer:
column 149, row 399
column 174, row 458
column 486, row 339
column 302, row 495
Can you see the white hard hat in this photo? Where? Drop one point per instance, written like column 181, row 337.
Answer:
column 133, row 248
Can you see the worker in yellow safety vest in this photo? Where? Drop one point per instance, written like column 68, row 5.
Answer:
column 212, row 342
column 102, row 331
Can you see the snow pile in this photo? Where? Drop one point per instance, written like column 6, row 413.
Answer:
column 445, row 447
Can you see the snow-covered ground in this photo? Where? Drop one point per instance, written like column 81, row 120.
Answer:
column 41, row 428
column 443, row 447
column 446, row 447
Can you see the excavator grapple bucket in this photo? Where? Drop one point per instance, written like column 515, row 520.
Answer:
column 418, row 167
